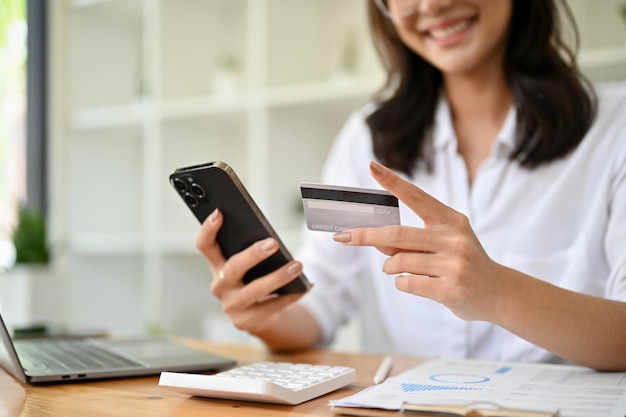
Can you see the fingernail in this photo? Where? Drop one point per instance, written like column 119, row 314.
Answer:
column 213, row 215
column 377, row 169
column 343, row 237
column 294, row 269
column 268, row 244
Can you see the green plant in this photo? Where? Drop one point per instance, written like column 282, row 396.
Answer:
column 29, row 237
column 622, row 9
column 227, row 61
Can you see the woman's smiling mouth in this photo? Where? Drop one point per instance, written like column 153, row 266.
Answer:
column 449, row 32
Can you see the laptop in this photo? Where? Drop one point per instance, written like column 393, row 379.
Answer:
column 75, row 359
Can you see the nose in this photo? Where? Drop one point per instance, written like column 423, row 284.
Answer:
column 433, row 6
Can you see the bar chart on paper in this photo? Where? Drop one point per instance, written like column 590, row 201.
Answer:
column 428, row 387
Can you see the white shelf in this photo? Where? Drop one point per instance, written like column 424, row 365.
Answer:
column 323, row 92
column 106, row 244
column 103, row 244
column 87, row 3
column 134, row 114
column 130, row 114
column 130, row 244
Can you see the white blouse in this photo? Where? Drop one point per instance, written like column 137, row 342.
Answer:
column 564, row 222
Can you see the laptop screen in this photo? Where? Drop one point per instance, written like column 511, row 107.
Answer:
column 8, row 356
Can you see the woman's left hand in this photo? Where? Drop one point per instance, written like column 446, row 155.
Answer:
column 443, row 261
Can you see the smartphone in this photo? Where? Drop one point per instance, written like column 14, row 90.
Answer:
column 205, row 187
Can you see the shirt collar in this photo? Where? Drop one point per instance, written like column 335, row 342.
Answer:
column 444, row 134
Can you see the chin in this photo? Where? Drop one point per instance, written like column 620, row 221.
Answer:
column 455, row 68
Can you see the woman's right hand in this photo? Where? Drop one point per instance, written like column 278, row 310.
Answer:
column 252, row 307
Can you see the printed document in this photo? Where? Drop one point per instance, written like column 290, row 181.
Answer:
column 573, row 391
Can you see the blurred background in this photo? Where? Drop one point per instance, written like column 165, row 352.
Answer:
column 100, row 100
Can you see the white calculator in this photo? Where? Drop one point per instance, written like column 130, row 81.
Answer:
column 269, row 382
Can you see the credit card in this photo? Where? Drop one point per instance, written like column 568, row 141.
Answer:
column 334, row 208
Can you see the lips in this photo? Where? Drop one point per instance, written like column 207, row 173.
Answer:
column 450, row 30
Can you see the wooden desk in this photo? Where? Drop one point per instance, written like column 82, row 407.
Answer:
column 135, row 397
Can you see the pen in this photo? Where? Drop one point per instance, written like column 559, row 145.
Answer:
column 383, row 370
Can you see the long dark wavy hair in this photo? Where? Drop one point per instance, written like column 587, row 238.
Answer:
column 555, row 103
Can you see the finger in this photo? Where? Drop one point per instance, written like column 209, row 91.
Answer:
column 205, row 240
column 262, row 289
column 259, row 289
column 422, row 286
column 260, row 315
column 387, row 250
column 221, row 279
column 237, row 265
column 390, row 251
column 231, row 272
column 428, row 208
column 395, row 238
column 424, row 264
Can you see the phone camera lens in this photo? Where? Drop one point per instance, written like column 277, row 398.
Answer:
column 198, row 190
column 190, row 199
column 180, row 184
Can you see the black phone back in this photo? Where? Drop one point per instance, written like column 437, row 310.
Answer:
column 206, row 187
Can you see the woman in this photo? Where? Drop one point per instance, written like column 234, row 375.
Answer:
column 513, row 183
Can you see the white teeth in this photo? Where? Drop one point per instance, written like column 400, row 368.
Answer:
column 450, row 30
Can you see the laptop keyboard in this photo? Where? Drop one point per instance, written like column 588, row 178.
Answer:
column 74, row 355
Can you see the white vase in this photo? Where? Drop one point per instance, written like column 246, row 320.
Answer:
column 29, row 295
column 227, row 82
